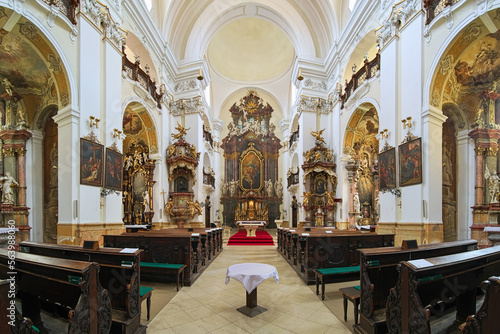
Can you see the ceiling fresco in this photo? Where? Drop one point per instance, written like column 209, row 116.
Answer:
column 139, row 127
column 361, row 131
column 31, row 67
column 469, row 66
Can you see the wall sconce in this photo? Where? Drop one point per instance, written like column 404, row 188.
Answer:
column 300, row 77
column 200, row 75
column 406, row 122
column 117, row 134
column 94, row 122
column 384, row 133
column 354, row 68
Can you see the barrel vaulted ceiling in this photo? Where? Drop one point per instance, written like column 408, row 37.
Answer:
column 311, row 26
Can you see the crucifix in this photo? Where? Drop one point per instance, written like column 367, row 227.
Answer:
column 163, row 192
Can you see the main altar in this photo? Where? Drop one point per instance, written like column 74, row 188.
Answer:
column 252, row 189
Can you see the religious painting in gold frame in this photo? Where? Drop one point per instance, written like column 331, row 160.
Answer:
column 320, row 184
column 91, row 163
column 251, row 170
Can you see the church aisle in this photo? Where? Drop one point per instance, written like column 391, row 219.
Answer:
column 209, row 306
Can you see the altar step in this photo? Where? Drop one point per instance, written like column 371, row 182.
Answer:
column 262, row 238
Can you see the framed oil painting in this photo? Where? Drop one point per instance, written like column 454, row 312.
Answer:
column 387, row 169
column 114, row 170
column 251, row 168
column 91, row 163
column 410, row 163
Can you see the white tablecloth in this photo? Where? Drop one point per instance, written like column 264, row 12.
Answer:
column 251, row 274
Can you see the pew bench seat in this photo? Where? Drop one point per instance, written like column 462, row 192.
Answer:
column 145, row 292
column 352, row 294
column 324, row 274
column 165, row 268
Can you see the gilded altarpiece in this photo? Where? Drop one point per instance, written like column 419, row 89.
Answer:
column 252, row 189
column 320, row 183
column 182, row 161
column 138, row 184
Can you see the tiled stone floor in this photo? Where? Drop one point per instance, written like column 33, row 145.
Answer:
column 209, row 305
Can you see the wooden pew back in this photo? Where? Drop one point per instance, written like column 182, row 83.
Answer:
column 426, row 286
column 74, row 284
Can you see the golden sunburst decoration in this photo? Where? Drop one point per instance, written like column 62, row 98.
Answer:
column 251, row 107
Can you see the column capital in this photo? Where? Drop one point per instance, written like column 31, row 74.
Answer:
column 479, row 150
column 492, row 151
column 66, row 116
column 434, row 115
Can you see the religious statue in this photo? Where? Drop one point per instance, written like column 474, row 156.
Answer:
column 308, row 156
column 329, row 155
column 182, row 132
column 317, row 135
column 171, row 150
column 8, row 183
column 224, row 189
column 317, row 156
column 169, row 206
column 307, row 197
column 128, row 162
column 145, row 201
column 447, row 166
column 237, row 214
column 53, row 167
column 194, row 208
column 233, row 188
column 192, row 151
column 269, row 188
column 278, row 188
column 355, row 201
column 8, row 86
column 493, row 183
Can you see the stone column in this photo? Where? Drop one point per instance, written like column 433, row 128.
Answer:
column 479, row 175
column 21, row 168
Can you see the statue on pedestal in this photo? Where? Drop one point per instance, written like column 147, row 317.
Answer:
column 8, row 183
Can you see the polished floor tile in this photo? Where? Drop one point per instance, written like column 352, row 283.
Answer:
column 209, row 305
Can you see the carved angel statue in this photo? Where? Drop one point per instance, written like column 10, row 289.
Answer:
column 194, row 207
column 493, row 183
column 182, row 132
column 169, row 206
column 171, row 150
column 329, row 155
column 307, row 197
column 269, row 188
column 308, row 156
column 317, row 135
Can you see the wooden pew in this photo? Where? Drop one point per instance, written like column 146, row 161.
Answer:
column 74, row 284
column 427, row 287
column 210, row 241
column 379, row 274
column 486, row 321
column 160, row 248
column 336, row 249
column 119, row 274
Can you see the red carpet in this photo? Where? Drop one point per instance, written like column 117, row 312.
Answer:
column 262, row 238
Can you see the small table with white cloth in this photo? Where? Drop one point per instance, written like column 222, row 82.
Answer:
column 251, row 275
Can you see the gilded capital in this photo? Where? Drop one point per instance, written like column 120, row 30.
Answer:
column 20, row 151
column 479, row 150
column 9, row 152
column 492, row 151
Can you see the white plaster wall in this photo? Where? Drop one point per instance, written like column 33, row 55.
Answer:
column 91, row 104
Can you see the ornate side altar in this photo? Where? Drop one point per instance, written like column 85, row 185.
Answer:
column 138, row 185
column 182, row 160
column 320, row 183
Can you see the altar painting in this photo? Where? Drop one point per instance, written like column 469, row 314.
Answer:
column 251, row 171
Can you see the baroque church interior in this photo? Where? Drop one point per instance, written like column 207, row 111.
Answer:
column 378, row 116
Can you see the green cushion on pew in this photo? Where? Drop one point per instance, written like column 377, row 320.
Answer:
column 33, row 327
column 429, row 278
column 339, row 270
column 357, row 287
column 161, row 265
column 144, row 290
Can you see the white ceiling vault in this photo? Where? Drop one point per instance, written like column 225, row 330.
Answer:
column 251, row 43
column 312, row 26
